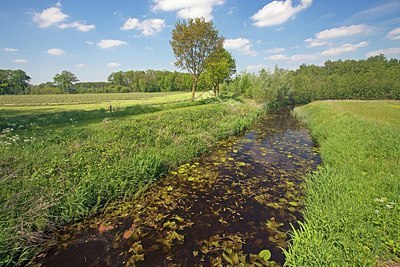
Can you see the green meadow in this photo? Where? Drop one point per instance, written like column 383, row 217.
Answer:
column 352, row 203
column 11, row 105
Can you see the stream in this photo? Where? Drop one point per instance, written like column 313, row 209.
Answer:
column 220, row 210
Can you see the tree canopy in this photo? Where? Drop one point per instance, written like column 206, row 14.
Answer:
column 220, row 66
column 65, row 80
column 14, row 82
column 193, row 41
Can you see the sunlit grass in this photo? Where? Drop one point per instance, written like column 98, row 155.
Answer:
column 37, row 104
column 352, row 208
column 54, row 172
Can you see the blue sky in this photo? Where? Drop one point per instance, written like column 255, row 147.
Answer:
column 93, row 38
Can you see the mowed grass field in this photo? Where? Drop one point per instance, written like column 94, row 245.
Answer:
column 352, row 205
column 60, row 166
column 11, row 105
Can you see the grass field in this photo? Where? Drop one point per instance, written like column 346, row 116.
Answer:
column 352, row 206
column 57, row 167
column 11, row 105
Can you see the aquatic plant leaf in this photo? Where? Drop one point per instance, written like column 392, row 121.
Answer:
column 265, row 254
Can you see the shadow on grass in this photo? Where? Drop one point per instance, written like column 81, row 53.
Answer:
column 14, row 119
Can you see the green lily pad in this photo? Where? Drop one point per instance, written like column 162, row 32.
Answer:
column 265, row 254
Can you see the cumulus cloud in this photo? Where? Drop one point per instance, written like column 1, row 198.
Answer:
column 386, row 52
column 344, row 31
column 49, row 16
column 80, row 26
column 147, row 27
column 394, row 34
column 346, row 48
column 54, row 16
column 278, row 12
column 81, row 65
column 315, row 43
column 276, row 50
column 294, row 58
column 108, row 43
column 55, row 52
column 242, row 45
column 188, row 8
column 113, row 65
column 20, row 61
column 9, row 49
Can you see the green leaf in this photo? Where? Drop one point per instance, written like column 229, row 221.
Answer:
column 265, row 254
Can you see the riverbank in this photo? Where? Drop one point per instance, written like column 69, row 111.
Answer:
column 352, row 206
column 56, row 173
column 222, row 209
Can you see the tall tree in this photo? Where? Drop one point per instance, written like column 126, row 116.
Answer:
column 13, row 82
column 65, row 80
column 193, row 41
column 219, row 68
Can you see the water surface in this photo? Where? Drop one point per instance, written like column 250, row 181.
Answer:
column 219, row 210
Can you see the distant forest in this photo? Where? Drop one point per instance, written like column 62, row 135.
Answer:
column 372, row 78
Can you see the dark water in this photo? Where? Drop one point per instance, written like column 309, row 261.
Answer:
column 218, row 211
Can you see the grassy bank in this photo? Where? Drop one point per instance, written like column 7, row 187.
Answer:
column 57, row 172
column 352, row 206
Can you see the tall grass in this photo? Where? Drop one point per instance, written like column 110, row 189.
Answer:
column 54, row 175
column 352, row 206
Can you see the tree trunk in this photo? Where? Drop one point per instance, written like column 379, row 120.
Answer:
column 194, row 85
column 215, row 89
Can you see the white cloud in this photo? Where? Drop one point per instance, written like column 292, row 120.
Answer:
column 83, row 27
column 256, row 67
column 294, row 58
column 20, row 61
column 386, row 52
column 346, row 48
column 390, row 7
column 276, row 50
column 108, row 43
column 81, row 65
column 315, row 43
column 278, row 57
column 278, row 12
column 49, row 16
column 148, row 26
column 9, row 49
column 394, row 34
column 242, row 45
column 55, row 16
column 113, row 65
column 188, row 8
column 344, row 31
column 303, row 57
column 89, row 42
column 55, row 52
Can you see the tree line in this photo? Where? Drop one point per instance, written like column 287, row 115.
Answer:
column 119, row 82
column 372, row 78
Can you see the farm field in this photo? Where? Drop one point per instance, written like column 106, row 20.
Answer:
column 11, row 105
column 58, row 167
column 352, row 205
